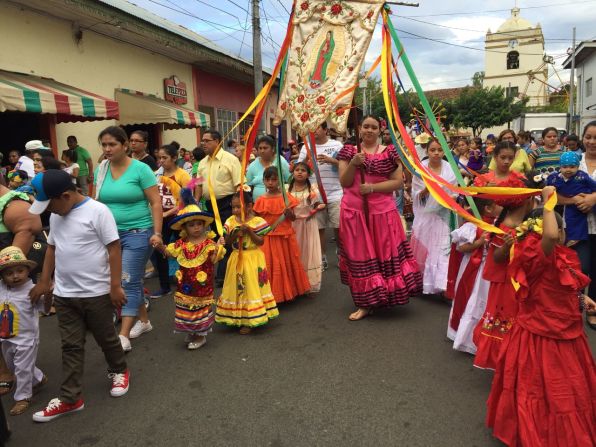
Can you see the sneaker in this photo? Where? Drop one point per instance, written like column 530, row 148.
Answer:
column 139, row 329
column 325, row 264
column 160, row 293
column 119, row 383
column 125, row 342
column 57, row 408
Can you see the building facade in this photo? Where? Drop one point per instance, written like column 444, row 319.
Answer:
column 121, row 54
column 515, row 60
column 585, row 72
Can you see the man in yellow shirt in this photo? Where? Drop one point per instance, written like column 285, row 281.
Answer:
column 220, row 171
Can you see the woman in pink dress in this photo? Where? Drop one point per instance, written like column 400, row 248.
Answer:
column 375, row 259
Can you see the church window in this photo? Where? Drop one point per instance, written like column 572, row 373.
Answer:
column 512, row 60
column 511, row 92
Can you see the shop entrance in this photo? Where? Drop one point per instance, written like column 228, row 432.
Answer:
column 153, row 130
column 17, row 128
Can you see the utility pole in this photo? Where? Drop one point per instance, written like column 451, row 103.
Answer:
column 571, row 126
column 257, row 60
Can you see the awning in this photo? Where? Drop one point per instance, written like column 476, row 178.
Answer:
column 28, row 93
column 140, row 108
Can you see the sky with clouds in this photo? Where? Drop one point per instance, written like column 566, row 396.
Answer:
column 437, row 64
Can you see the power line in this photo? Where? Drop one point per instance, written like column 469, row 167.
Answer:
column 268, row 28
column 474, row 30
column 213, row 25
column 501, row 10
column 217, row 9
column 465, row 46
column 284, row 7
column 245, row 29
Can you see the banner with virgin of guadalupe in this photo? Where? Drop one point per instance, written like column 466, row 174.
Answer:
column 329, row 43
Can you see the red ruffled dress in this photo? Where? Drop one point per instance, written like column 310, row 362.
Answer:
column 501, row 308
column 544, row 389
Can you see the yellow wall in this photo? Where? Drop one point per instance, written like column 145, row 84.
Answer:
column 44, row 46
column 531, row 49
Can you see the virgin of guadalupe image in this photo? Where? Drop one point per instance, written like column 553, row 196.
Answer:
column 7, row 322
column 319, row 74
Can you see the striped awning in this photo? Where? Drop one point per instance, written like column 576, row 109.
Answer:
column 28, row 93
column 140, row 108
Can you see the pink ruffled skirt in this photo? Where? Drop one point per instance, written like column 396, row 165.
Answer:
column 376, row 260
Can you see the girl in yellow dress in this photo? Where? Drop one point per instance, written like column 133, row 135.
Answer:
column 246, row 300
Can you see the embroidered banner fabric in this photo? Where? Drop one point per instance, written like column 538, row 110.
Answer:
column 329, row 43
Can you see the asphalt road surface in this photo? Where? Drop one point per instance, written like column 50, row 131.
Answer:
column 309, row 378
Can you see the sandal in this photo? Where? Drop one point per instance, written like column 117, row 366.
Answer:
column 6, row 386
column 19, row 407
column 245, row 330
column 361, row 313
column 196, row 344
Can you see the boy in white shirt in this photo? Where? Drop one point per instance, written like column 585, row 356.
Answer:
column 19, row 326
column 85, row 256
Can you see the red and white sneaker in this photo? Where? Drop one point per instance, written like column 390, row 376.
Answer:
column 119, row 383
column 57, row 408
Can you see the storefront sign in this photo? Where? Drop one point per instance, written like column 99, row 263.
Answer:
column 175, row 90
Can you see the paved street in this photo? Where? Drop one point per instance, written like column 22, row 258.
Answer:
column 311, row 378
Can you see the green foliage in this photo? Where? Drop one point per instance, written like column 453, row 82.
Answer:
column 478, row 79
column 479, row 108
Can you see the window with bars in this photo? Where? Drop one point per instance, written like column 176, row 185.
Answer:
column 588, row 87
column 511, row 92
column 225, row 121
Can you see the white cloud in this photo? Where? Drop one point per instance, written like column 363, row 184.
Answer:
column 437, row 64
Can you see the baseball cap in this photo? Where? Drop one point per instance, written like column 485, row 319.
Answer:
column 35, row 145
column 48, row 185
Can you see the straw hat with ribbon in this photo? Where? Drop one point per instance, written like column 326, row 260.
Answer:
column 13, row 256
column 190, row 211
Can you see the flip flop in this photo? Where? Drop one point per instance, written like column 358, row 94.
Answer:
column 6, row 386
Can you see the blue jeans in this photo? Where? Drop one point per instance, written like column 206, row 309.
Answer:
column 135, row 253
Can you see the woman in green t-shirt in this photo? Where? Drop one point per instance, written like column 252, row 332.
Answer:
column 129, row 189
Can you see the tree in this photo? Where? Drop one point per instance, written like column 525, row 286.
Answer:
column 478, row 79
column 479, row 108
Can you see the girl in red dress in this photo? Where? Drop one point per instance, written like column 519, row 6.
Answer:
column 543, row 392
column 197, row 255
column 501, row 307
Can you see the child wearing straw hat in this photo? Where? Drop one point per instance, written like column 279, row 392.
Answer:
column 19, row 326
column 197, row 255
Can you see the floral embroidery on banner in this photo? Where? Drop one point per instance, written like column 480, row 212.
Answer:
column 328, row 47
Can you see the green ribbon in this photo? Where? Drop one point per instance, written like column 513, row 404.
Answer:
column 429, row 113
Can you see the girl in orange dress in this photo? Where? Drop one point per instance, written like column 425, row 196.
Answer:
column 287, row 276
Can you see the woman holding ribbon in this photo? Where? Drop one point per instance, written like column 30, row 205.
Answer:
column 375, row 258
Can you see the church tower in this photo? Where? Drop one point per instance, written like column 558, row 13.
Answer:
column 515, row 60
